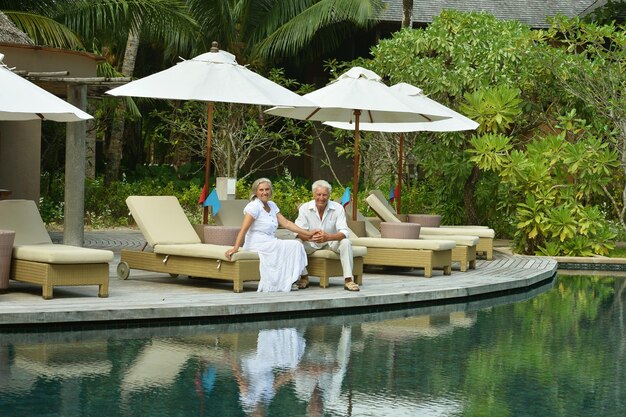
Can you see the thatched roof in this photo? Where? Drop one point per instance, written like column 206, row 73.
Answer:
column 9, row 33
column 531, row 12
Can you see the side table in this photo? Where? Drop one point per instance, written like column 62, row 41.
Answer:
column 6, row 249
column 5, row 194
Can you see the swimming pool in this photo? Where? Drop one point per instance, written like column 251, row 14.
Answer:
column 555, row 350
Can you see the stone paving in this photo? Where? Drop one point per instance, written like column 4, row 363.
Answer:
column 153, row 296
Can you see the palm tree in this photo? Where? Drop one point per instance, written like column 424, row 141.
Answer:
column 106, row 25
column 407, row 13
column 263, row 31
column 268, row 30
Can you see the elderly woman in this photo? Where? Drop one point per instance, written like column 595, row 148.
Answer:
column 281, row 261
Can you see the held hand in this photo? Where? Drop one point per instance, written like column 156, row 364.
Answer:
column 319, row 236
column 310, row 234
column 229, row 252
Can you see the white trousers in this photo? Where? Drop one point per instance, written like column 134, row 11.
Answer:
column 343, row 247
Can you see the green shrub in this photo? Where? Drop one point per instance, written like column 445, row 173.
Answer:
column 105, row 205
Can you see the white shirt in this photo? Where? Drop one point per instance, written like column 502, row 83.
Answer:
column 333, row 219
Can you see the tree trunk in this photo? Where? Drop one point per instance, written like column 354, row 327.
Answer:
column 468, row 196
column 115, row 148
column 90, row 143
column 407, row 13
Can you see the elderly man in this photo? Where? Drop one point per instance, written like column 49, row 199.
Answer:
column 329, row 217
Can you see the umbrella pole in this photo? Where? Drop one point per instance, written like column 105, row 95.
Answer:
column 398, row 199
column 207, row 172
column 355, row 176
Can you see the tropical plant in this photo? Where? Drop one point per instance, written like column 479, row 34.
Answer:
column 550, row 191
column 472, row 62
column 244, row 141
column 112, row 28
column 260, row 32
column 588, row 61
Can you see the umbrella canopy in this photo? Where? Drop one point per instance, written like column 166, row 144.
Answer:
column 213, row 76
column 414, row 97
column 22, row 100
column 359, row 95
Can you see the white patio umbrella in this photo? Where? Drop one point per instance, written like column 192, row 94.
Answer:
column 359, row 95
column 456, row 122
column 213, row 76
column 22, row 100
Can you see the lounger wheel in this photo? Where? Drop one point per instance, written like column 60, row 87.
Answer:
column 123, row 270
column 173, row 275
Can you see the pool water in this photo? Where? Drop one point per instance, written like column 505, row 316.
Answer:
column 555, row 350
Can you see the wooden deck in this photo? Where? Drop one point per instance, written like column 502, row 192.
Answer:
column 152, row 296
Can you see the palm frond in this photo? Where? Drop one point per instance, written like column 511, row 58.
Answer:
column 297, row 33
column 216, row 21
column 44, row 30
column 167, row 21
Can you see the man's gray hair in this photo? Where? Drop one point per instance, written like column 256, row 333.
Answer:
column 322, row 184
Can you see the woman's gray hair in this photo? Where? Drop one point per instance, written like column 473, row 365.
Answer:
column 255, row 186
column 322, row 184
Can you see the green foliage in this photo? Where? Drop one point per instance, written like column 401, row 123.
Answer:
column 587, row 62
column 289, row 193
column 485, row 68
column 495, row 109
column 85, row 24
column 244, row 140
column 551, row 186
column 458, row 53
column 618, row 252
column 278, row 28
column 105, row 205
column 490, row 152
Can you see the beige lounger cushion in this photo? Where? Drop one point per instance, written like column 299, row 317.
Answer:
column 231, row 213
column 376, row 242
column 450, row 231
column 150, row 212
column 459, row 239
column 61, row 254
column 370, row 229
column 33, row 243
column 329, row 254
column 387, row 215
column 381, row 209
column 37, row 260
column 203, row 250
column 22, row 216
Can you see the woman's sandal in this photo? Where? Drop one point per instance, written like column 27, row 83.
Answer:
column 351, row 286
column 303, row 283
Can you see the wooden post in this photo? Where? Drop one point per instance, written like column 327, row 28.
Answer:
column 207, row 172
column 398, row 198
column 75, row 138
column 355, row 176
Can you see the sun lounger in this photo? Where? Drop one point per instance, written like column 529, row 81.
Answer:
column 413, row 253
column 37, row 260
column 322, row 263
column 464, row 251
column 230, row 213
column 177, row 249
column 486, row 235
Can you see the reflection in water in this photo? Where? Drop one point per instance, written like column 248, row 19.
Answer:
column 429, row 326
column 262, row 372
column 550, row 352
column 319, row 379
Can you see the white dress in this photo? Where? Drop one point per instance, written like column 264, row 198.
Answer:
column 280, row 261
column 278, row 350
